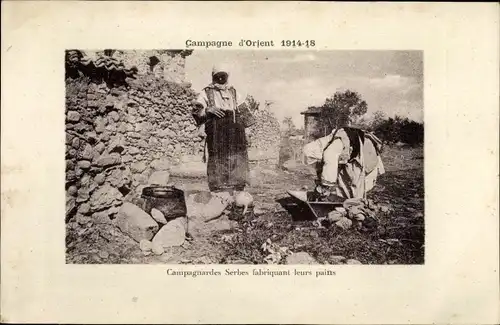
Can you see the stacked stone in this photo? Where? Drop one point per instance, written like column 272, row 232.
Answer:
column 96, row 179
column 163, row 126
column 265, row 137
column 116, row 138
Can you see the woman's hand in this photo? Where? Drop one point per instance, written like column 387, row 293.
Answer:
column 216, row 111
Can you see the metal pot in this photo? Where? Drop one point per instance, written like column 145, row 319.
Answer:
column 167, row 199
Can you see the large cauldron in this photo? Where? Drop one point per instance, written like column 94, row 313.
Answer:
column 167, row 199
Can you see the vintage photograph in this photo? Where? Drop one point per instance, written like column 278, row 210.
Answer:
column 244, row 157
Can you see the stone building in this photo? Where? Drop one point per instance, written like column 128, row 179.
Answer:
column 313, row 126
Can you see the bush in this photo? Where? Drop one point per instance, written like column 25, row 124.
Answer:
column 400, row 129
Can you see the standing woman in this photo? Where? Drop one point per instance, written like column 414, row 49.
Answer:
column 217, row 107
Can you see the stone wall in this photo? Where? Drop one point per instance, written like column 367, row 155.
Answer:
column 116, row 138
column 119, row 135
column 265, row 139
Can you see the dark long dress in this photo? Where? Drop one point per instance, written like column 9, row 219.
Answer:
column 227, row 165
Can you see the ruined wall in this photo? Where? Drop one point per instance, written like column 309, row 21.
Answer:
column 168, row 65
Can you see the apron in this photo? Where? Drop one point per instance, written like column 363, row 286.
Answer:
column 227, row 164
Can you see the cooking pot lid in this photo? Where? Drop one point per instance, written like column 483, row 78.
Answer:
column 160, row 191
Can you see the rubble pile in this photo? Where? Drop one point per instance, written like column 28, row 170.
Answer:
column 359, row 213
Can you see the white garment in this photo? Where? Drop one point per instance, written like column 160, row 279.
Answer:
column 371, row 178
column 352, row 180
column 223, row 102
column 331, row 157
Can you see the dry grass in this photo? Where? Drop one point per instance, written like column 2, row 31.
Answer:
column 399, row 239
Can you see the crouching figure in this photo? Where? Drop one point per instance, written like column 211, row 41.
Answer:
column 347, row 162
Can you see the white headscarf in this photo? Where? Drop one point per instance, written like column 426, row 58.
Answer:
column 224, row 89
column 218, row 68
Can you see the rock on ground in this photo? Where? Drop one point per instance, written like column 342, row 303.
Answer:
column 158, row 249
column 172, row 234
column 135, row 222
column 145, row 245
column 353, row 261
column 213, row 209
column 194, row 209
column 300, row 258
column 198, row 228
column 337, row 259
column 158, row 216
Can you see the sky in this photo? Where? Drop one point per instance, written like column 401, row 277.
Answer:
column 389, row 81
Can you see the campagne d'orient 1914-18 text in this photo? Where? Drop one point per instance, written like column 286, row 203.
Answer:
column 288, row 43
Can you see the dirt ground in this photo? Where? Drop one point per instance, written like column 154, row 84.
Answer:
column 399, row 238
